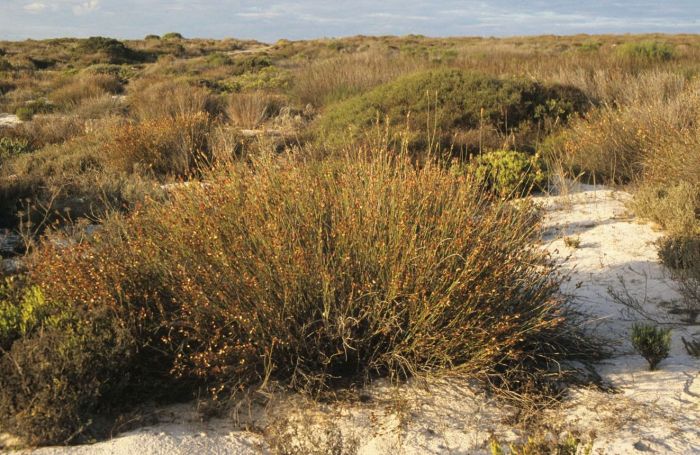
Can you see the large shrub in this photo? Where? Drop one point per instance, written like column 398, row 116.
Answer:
column 446, row 102
column 99, row 49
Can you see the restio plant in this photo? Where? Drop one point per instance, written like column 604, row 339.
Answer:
column 651, row 342
column 314, row 273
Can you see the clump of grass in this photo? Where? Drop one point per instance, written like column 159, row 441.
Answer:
column 542, row 444
column 149, row 101
column 86, row 87
column 249, row 110
column 325, row 81
column 651, row 342
column 175, row 147
column 572, row 242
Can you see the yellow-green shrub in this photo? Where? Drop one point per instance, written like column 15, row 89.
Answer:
column 510, row 173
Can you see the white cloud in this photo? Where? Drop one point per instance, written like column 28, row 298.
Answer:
column 35, row 7
column 86, row 7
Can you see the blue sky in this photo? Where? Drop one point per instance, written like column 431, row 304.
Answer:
column 268, row 20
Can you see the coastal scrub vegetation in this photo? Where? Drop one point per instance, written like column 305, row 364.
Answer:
column 203, row 217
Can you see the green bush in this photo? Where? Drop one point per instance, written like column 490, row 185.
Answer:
column 111, row 50
column 31, row 108
column 219, row 59
column 10, row 147
column 172, row 36
column 647, row 50
column 651, row 342
column 152, row 38
column 510, row 173
column 61, row 384
column 446, row 101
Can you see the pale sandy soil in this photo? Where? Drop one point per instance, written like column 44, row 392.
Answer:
column 9, row 120
column 655, row 412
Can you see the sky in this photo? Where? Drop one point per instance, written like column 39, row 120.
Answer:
column 269, row 20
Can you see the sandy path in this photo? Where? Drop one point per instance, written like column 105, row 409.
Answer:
column 656, row 412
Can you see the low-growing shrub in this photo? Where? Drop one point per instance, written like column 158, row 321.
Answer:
column 647, row 51
column 172, row 36
column 445, row 101
column 99, row 49
column 31, row 108
column 61, row 383
column 510, row 173
column 680, row 252
column 651, row 342
column 10, row 147
column 674, row 207
column 86, row 87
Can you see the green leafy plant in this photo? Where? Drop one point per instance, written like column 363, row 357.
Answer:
column 21, row 311
column 651, row 342
column 510, row 173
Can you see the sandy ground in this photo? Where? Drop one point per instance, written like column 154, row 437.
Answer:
column 9, row 120
column 655, row 412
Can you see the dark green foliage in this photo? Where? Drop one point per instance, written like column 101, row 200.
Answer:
column 172, row 36
column 6, row 87
column 109, row 50
column 56, row 379
column 5, row 66
column 651, row 342
column 152, row 38
column 448, row 100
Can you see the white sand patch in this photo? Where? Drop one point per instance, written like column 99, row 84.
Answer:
column 655, row 411
column 9, row 120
